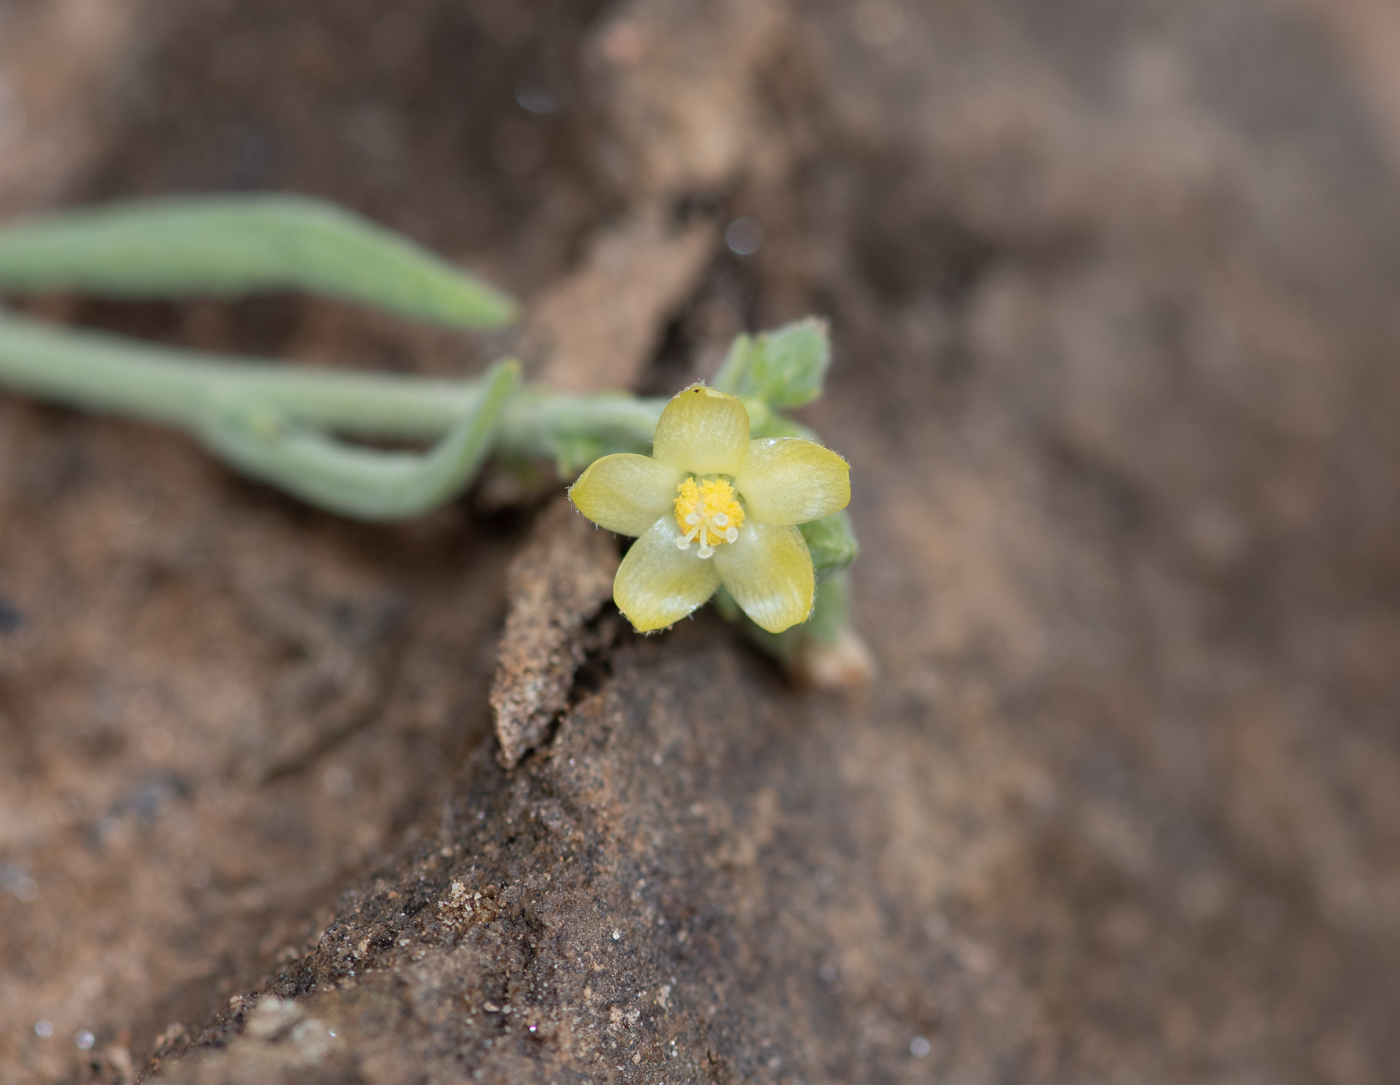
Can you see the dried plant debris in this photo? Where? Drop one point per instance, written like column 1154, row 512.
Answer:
column 559, row 582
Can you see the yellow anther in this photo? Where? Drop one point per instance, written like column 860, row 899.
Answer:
column 708, row 512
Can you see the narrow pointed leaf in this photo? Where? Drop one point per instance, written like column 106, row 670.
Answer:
column 234, row 245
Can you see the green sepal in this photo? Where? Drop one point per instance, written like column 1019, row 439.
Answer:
column 831, row 613
column 832, row 541
column 234, row 245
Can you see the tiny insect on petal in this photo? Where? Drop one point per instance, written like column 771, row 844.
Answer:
column 703, row 432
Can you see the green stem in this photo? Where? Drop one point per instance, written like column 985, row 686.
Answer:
column 180, row 388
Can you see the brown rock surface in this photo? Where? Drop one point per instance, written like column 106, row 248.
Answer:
column 1113, row 295
column 559, row 582
column 675, row 890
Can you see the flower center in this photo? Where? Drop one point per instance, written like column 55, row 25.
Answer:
column 707, row 511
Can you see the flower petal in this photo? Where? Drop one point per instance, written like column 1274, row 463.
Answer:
column 625, row 492
column 658, row 583
column 768, row 570
column 789, row 480
column 703, row 431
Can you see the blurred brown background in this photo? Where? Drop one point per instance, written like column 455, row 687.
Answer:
column 1113, row 292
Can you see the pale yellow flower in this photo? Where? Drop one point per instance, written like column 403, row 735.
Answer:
column 709, row 506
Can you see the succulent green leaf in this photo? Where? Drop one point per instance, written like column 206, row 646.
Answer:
column 735, row 367
column 831, row 613
column 235, row 245
column 353, row 481
column 784, row 368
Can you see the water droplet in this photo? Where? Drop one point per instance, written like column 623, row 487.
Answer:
column 84, row 1040
column 541, row 88
column 11, row 620
column 743, row 236
column 919, row 1047
column 16, row 880
column 536, row 99
column 43, row 1029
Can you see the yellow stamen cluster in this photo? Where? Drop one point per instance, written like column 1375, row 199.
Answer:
column 709, row 512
